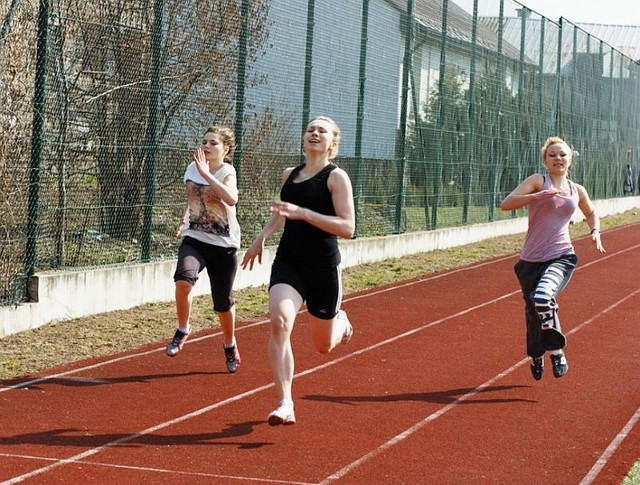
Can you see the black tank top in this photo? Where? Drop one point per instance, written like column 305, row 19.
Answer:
column 302, row 243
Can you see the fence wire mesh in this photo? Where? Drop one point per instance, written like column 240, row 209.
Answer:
column 442, row 105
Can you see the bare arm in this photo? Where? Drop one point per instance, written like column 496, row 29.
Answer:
column 589, row 211
column 184, row 220
column 274, row 225
column 530, row 189
column 257, row 247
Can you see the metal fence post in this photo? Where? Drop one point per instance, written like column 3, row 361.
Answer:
column 240, row 90
column 308, row 66
column 31, row 255
column 408, row 56
column 362, row 77
column 152, row 132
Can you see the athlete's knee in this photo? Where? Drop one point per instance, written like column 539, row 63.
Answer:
column 223, row 305
column 280, row 327
column 545, row 307
column 321, row 332
column 542, row 304
column 183, row 287
column 542, row 299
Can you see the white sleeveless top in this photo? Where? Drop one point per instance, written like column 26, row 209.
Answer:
column 210, row 219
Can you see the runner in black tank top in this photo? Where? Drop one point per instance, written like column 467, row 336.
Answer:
column 302, row 242
column 316, row 208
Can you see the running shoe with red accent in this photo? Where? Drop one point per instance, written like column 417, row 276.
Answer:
column 233, row 358
column 177, row 342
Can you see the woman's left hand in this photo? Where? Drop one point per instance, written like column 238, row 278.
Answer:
column 288, row 210
column 595, row 237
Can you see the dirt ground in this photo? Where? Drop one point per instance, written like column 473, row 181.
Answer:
column 72, row 340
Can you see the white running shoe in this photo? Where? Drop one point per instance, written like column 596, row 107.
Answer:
column 283, row 414
column 348, row 331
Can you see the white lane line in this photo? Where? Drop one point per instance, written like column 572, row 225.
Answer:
column 241, row 328
column 263, row 322
column 177, row 473
column 611, row 449
column 343, row 471
column 206, row 409
column 93, row 451
column 81, row 456
column 419, row 425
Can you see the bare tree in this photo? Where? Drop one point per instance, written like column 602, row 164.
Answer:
column 17, row 67
column 104, row 75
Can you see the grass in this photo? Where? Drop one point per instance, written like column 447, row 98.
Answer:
column 633, row 477
column 103, row 334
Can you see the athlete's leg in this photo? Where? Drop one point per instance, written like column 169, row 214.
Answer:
column 329, row 325
column 190, row 263
column 222, row 266
column 284, row 304
column 183, row 303
column 528, row 275
column 328, row 334
column 228, row 326
column 554, row 279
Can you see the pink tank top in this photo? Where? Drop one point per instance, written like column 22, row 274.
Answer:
column 548, row 232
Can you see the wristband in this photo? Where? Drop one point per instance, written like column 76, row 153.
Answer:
column 594, row 230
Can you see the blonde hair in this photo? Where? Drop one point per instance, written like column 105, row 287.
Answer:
column 228, row 138
column 553, row 140
column 333, row 152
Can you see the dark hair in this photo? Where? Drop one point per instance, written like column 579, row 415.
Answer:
column 228, row 139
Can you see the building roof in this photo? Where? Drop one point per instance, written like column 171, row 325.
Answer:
column 624, row 38
column 428, row 14
column 589, row 39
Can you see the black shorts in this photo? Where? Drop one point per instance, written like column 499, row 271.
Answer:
column 221, row 264
column 320, row 288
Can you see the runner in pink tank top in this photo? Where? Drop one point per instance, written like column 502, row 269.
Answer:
column 548, row 259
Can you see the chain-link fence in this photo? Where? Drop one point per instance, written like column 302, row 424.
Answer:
column 443, row 107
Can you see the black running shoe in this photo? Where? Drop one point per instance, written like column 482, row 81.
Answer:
column 537, row 368
column 560, row 364
column 233, row 358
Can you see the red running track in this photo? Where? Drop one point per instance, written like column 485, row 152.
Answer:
column 433, row 388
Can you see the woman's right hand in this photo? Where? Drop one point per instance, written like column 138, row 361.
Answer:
column 255, row 251
column 545, row 194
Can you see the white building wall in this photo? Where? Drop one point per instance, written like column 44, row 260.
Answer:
column 335, row 72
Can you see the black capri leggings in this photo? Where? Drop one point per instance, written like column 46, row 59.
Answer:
column 221, row 264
